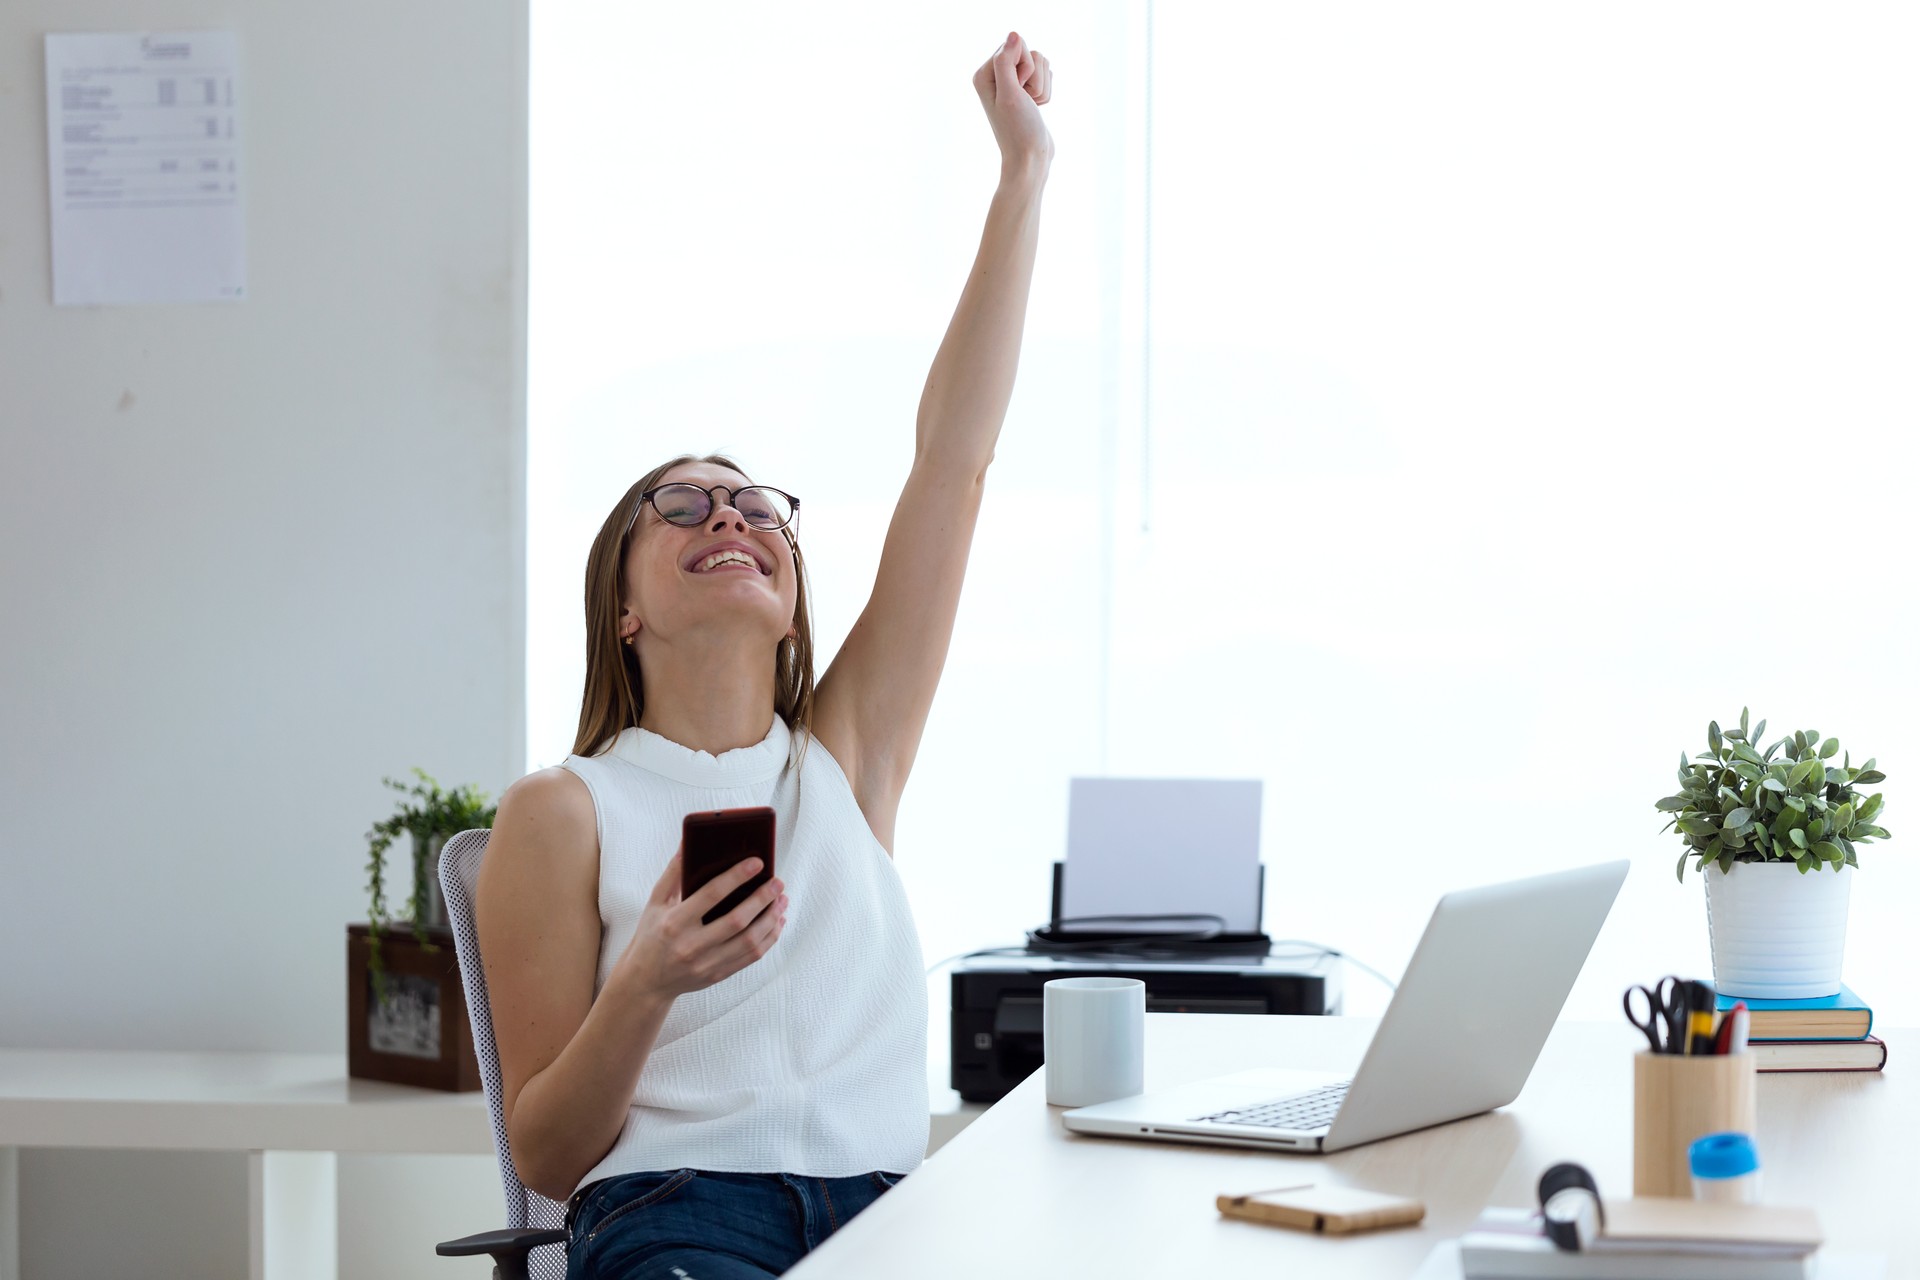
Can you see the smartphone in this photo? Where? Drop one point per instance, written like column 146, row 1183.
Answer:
column 1326, row 1210
column 712, row 842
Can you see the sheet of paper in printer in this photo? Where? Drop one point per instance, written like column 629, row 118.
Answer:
column 1169, row 845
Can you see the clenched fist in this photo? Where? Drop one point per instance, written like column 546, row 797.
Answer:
column 1013, row 85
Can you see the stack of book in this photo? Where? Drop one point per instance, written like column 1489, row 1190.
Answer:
column 1833, row 1033
column 1649, row 1239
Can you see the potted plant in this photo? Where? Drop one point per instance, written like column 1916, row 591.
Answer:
column 406, row 1009
column 431, row 816
column 1774, row 833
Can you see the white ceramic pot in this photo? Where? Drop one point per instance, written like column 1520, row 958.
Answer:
column 1777, row 934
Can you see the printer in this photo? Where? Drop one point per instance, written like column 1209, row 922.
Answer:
column 996, row 1012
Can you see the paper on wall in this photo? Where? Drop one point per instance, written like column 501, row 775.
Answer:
column 143, row 156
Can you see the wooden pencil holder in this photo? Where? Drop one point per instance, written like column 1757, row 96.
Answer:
column 1678, row 1099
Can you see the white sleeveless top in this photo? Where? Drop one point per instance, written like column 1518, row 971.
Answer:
column 813, row 1059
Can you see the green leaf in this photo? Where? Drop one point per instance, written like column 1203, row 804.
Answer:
column 1773, row 784
column 1802, row 772
column 1759, row 732
column 1834, row 777
column 1670, row 804
column 1830, row 748
column 1870, row 776
column 1739, row 818
column 1804, row 862
column 1680, row 869
column 1743, row 722
column 1828, row 851
column 1798, row 837
column 1713, row 736
column 1799, row 744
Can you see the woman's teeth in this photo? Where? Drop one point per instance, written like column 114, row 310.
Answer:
column 726, row 557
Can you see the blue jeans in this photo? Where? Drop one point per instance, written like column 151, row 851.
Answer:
column 686, row 1224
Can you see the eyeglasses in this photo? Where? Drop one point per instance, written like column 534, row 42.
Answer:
column 687, row 505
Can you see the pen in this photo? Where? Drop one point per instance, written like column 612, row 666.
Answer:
column 1723, row 1034
column 1739, row 1018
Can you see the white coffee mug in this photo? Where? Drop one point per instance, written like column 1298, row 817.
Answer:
column 1096, row 1039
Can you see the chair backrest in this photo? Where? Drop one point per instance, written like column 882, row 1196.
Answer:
column 459, row 872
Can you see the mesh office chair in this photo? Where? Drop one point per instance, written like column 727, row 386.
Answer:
column 531, row 1247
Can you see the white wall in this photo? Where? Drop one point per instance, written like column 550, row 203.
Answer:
column 255, row 556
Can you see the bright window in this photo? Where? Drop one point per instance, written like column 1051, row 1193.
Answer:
column 1439, row 414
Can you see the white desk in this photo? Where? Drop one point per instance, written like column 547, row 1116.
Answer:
column 290, row 1112
column 1015, row 1195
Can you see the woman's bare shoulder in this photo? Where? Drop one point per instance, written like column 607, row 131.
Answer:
column 548, row 815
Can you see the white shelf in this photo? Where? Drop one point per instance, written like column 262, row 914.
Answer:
column 226, row 1102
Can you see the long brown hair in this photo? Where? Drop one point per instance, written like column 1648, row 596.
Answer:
column 615, row 694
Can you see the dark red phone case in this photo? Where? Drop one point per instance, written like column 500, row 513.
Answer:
column 718, row 839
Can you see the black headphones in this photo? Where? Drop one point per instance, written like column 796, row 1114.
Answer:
column 1570, row 1203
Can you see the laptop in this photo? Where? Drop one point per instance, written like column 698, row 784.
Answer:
column 1462, row 1033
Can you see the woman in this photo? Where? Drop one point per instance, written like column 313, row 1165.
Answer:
column 713, row 1100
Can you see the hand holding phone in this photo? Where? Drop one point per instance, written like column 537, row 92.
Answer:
column 714, row 841
column 690, row 938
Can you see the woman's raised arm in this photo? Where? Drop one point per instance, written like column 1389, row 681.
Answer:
column 873, row 702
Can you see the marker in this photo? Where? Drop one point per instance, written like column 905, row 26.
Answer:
column 1700, row 1018
column 1740, row 1018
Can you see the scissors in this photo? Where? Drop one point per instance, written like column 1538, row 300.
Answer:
column 1664, row 1024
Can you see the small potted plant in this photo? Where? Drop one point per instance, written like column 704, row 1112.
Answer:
column 1774, row 833
column 406, row 1010
column 431, row 817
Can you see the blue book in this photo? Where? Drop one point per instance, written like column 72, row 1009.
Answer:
column 1837, row 1017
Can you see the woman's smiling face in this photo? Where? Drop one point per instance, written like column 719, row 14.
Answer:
column 721, row 571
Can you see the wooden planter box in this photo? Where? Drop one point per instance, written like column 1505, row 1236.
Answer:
column 421, row 1035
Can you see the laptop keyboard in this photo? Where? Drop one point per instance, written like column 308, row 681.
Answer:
column 1310, row 1110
